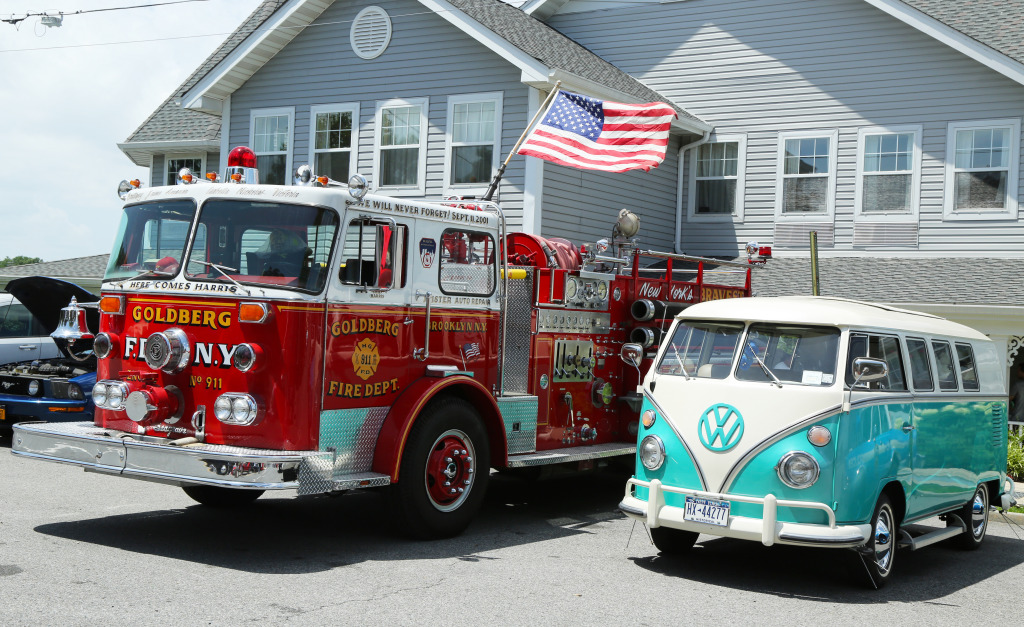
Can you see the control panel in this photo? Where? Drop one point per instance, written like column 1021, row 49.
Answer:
column 574, row 361
column 586, row 292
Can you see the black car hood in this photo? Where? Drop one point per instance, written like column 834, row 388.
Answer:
column 44, row 297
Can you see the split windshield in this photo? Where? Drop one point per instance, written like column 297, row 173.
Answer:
column 236, row 241
column 794, row 354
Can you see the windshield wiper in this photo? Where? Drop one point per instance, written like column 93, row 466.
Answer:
column 222, row 269
column 682, row 366
column 144, row 273
column 768, row 372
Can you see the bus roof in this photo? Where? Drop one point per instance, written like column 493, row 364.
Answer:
column 824, row 310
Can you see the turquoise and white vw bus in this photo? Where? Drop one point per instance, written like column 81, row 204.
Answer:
column 819, row 422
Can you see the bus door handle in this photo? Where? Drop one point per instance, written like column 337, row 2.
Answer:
column 908, row 428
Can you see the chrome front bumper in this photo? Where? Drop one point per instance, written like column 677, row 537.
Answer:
column 154, row 459
column 767, row 529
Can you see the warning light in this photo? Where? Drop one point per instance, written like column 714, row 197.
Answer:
column 242, row 157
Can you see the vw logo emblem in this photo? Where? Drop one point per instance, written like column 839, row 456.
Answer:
column 721, row 427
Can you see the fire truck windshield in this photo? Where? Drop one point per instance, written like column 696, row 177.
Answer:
column 280, row 245
column 151, row 240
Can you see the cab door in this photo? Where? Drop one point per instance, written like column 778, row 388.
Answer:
column 368, row 334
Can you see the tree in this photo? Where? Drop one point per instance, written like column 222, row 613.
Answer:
column 20, row 260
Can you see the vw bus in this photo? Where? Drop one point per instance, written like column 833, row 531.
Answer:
column 819, row 422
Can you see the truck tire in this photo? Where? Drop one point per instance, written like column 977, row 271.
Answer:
column 444, row 471
column 213, row 496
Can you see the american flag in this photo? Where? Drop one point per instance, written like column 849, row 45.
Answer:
column 471, row 350
column 590, row 134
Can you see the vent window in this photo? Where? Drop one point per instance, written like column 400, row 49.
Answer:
column 371, row 32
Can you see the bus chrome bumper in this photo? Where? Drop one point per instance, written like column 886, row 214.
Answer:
column 767, row 529
column 155, row 459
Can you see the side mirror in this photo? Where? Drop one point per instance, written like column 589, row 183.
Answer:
column 866, row 369
column 632, row 354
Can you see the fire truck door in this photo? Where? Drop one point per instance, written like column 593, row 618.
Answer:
column 368, row 337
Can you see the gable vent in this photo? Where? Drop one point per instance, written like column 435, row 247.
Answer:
column 371, row 32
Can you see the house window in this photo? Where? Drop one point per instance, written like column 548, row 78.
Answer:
column 271, row 141
column 473, row 140
column 717, row 172
column 981, row 169
column 175, row 164
column 334, row 131
column 889, row 172
column 807, row 167
column 401, row 145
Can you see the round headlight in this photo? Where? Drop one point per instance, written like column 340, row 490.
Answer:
column 357, row 186
column 244, row 358
column 222, row 408
column 819, row 435
column 99, row 394
column 243, row 410
column 115, row 395
column 101, row 345
column 798, row 470
column 75, row 392
column 649, row 417
column 34, row 388
column 652, row 452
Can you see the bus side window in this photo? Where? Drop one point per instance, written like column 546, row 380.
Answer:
column 920, row 365
column 968, row 373
column 944, row 364
column 884, row 347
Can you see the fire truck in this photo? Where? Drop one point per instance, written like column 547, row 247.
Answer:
column 322, row 338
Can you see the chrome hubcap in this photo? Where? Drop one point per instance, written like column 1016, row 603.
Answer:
column 883, row 540
column 979, row 513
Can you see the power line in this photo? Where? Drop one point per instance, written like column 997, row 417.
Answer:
column 60, row 14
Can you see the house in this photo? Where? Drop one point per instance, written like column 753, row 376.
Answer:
column 891, row 129
column 84, row 271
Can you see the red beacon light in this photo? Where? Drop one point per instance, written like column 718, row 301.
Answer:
column 757, row 253
column 242, row 166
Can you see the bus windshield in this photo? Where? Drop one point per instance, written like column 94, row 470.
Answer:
column 701, row 349
column 794, row 354
column 151, row 240
column 263, row 243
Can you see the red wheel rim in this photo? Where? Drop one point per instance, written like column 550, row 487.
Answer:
column 450, row 470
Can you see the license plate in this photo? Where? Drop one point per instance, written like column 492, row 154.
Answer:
column 707, row 511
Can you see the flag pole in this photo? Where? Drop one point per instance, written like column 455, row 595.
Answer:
column 501, row 171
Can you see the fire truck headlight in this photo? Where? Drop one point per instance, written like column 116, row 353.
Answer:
column 652, row 452
column 102, row 344
column 798, row 470
column 246, row 357
column 117, row 392
column 99, row 394
column 236, row 409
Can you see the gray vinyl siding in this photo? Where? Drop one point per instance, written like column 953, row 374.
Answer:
column 582, row 205
column 156, row 173
column 761, row 67
column 427, row 57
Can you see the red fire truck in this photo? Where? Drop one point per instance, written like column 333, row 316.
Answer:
column 321, row 338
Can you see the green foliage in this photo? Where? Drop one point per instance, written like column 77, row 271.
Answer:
column 20, row 260
column 1015, row 456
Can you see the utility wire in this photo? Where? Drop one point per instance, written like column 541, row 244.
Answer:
column 16, row 20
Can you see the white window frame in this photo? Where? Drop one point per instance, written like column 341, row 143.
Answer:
column 830, row 202
column 471, row 188
column 740, row 178
column 290, row 112
column 344, row 107
column 1010, row 211
column 402, row 190
column 202, row 156
column 915, row 175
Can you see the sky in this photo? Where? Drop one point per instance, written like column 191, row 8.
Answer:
column 69, row 95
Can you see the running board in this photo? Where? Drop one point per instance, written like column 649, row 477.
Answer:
column 571, row 454
column 930, row 535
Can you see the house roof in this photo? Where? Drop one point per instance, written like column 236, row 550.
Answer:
column 85, row 271
column 999, row 24
column 171, row 123
column 496, row 22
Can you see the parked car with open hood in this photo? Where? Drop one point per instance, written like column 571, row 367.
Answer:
column 57, row 387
